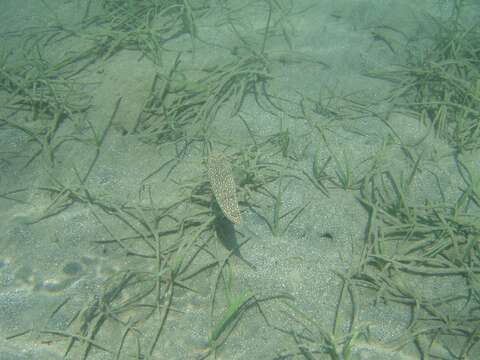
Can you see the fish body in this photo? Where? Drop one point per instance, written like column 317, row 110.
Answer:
column 223, row 186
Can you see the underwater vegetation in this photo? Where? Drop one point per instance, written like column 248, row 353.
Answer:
column 178, row 282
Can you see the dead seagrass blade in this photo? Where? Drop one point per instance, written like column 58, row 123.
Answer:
column 223, row 186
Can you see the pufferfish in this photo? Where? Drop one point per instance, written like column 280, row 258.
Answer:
column 221, row 179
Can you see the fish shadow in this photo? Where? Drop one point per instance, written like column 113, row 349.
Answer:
column 227, row 236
